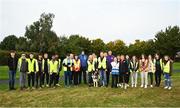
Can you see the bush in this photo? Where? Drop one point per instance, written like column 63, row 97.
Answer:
column 5, row 54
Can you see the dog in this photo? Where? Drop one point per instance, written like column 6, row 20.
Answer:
column 95, row 79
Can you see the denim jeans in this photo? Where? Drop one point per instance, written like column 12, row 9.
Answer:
column 22, row 79
column 103, row 81
column 67, row 78
column 167, row 78
column 12, row 76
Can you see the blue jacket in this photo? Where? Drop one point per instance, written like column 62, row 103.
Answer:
column 83, row 59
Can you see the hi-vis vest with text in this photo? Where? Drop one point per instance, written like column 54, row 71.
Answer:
column 90, row 66
column 66, row 62
column 32, row 65
column 77, row 65
column 166, row 67
column 53, row 66
column 102, row 63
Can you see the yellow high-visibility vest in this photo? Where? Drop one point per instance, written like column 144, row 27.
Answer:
column 20, row 62
column 166, row 67
column 32, row 65
column 77, row 65
column 53, row 66
column 66, row 62
column 102, row 63
column 90, row 66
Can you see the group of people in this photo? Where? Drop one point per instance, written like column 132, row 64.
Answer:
column 92, row 70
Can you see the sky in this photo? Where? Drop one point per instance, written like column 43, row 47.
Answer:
column 109, row 20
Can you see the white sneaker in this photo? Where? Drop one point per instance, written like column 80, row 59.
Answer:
column 135, row 85
column 166, row 87
column 121, row 85
column 141, row 86
column 132, row 85
column 145, row 86
column 151, row 86
column 125, row 86
column 169, row 88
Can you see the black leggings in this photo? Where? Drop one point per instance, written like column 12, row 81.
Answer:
column 114, row 81
column 151, row 77
column 31, row 78
column 123, row 78
column 53, row 79
column 158, row 78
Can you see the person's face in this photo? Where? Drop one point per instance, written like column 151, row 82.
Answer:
column 40, row 57
column 134, row 58
column 12, row 54
column 82, row 52
column 149, row 57
column 71, row 56
column 56, row 56
column 109, row 52
column 45, row 55
column 115, row 59
column 53, row 57
column 127, row 57
column 166, row 58
column 105, row 54
column 101, row 54
column 23, row 56
column 31, row 56
column 157, row 56
column 76, row 57
column 90, row 57
column 122, row 57
column 142, row 56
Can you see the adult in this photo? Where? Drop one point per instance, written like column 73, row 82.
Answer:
column 109, row 59
column 83, row 59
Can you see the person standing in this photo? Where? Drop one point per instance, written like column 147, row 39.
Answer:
column 109, row 59
column 45, row 69
column 167, row 70
column 90, row 70
column 158, row 70
column 134, row 66
column 143, row 71
column 23, row 68
column 59, row 69
column 114, row 72
column 76, row 69
column 32, row 69
column 83, row 59
column 128, row 63
column 123, row 72
column 102, row 69
column 150, row 67
column 67, row 65
column 39, row 74
column 12, row 65
column 53, row 71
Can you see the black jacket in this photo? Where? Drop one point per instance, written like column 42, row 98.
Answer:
column 12, row 63
column 123, row 67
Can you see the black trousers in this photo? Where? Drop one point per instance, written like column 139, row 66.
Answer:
column 39, row 79
column 57, row 78
column 83, row 71
column 46, row 77
column 128, row 77
column 123, row 78
column 108, row 76
column 114, row 81
column 150, row 74
column 53, row 79
column 31, row 78
column 158, row 78
column 75, row 77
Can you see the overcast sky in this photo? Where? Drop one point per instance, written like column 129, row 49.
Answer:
column 106, row 19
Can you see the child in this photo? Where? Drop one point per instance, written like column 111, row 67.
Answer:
column 143, row 70
column 114, row 72
column 134, row 65
column 150, row 69
column 76, row 69
column 167, row 70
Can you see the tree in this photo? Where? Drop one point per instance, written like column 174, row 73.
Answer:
column 40, row 35
column 9, row 43
column 22, row 44
column 97, row 45
column 168, row 41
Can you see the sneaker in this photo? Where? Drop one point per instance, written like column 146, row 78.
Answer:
column 169, row 88
column 125, row 86
column 42, row 86
column 57, row 85
column 47, row 85
column 132, row 86
column 145, row 86
column 135, row 85
column 33, row 88
column 121, row 85
column 141, row 86
column 166, row 87
column 151, row 86
column 28, row 88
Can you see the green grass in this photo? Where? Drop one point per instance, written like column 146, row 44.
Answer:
column 176, row 66
column 84, row 96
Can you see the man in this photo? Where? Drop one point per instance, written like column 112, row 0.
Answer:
column 76, row 69
column 158, row 70
column 83, row 59
column 59, row 68
column 39, row 74
column 45, row 70
column 102, row 69
column 53, row 70
column 12, row 64
column 67, row 65
column 23, row 68
column 128, row 63
column 32, row 69
column 109, row 59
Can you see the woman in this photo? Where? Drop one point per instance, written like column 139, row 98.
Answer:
column 90, row 70
column 114, row 72
column 143, row 71
column 150, row 69
column 134, row 71
column 76, row 69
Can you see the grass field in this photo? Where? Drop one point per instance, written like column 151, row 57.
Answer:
column 85, row 96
